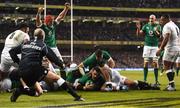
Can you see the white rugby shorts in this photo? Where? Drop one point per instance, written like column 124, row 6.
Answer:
column 171, row 56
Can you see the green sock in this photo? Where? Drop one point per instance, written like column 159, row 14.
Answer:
column 145, row 73
column 156, row 74
column 177, row 71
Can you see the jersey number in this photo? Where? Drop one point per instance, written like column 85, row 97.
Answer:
column 177, row 30
column 12, row 35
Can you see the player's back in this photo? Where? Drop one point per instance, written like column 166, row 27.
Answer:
column 14, row 39
column 174, row 31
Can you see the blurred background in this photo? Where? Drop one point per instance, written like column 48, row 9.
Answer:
column 108, row 23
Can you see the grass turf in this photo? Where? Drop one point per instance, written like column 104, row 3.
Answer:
column 130, row 99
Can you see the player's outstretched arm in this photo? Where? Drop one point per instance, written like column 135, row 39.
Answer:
column 63, row 13
column 38, row 17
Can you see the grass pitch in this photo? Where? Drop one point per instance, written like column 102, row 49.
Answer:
column 130, row 99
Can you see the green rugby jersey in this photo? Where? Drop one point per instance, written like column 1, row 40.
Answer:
column 50, row 35
column 151, row 38
column 92, row 62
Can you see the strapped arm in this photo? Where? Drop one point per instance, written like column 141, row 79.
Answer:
column 38, row 17
column 63, row 13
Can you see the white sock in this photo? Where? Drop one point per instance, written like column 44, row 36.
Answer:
column 60, row 81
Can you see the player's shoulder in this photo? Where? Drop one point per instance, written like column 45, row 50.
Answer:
column 19, row 32
column 103, row 51
column 106, row 53
column 147, row 24
column 169, row 24
column 157, row 24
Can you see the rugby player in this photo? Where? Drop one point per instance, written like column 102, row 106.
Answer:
column 152, row 32
column 99, row 58
column 31, row 69
column 94, row 80
column 171, row 47
column 49, row 27
column 14, row 39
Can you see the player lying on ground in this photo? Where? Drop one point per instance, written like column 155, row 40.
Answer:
column 73, row 73
column 94, row 81
column 31, row 69
column 98, row 58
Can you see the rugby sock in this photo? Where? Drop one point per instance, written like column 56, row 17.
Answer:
column 29, row 92
column 63, row 74
column 69, row 89
column 170, row 76
column 177, row 71
column 61, row 82
column 156, row 74
column 145, row 73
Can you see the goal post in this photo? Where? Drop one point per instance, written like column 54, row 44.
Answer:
column 71, row 45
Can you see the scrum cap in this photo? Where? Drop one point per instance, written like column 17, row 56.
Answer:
column 48, row 19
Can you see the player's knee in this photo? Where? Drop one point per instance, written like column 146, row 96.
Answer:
column 60, row 81
column 52, row 76
column 155, row 64
column 168, row 71
column 145, row 64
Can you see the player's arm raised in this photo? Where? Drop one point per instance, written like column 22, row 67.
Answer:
column 63, row 13
column 139, row 32
column 158, row 31
column 38, row 17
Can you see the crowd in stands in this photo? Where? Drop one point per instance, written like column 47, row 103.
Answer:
column 130, row 3
column 90, row 30
column 108, row 3
column 105, row 31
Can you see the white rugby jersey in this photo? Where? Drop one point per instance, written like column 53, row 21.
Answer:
column 174, row 41
column 14, row 39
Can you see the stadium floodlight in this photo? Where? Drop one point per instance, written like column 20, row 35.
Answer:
column 109, row 21
column 17, row 8
column 97, row 20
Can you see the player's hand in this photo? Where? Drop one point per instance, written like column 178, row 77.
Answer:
column 156, row 28
column 40, row 9
column 67, row 5
column 158, row 52
column 138, row 25
column 45, row 63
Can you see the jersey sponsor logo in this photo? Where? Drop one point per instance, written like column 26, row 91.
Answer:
column 50, row 33
column 150, row 33
column 32, row 46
